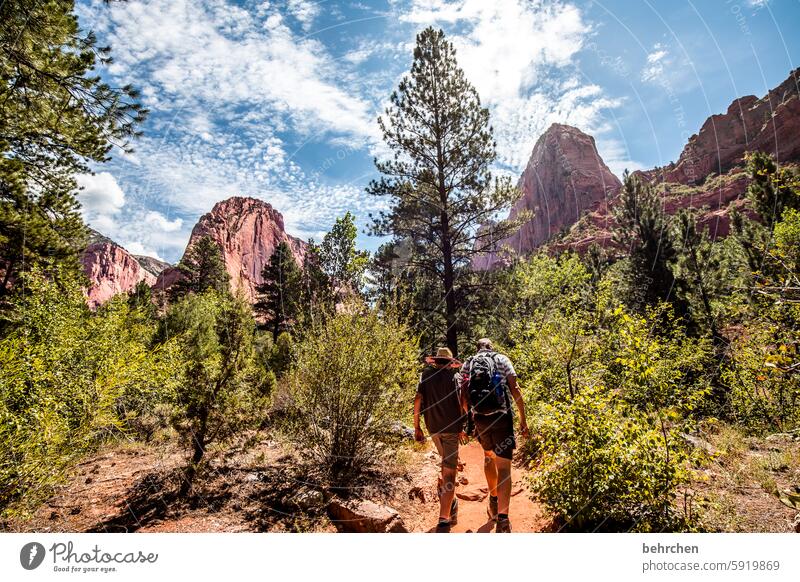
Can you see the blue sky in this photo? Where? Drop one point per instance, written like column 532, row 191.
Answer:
column 278, row 99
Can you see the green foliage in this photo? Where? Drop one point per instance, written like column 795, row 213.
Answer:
column 280, row 293
column 438, row 181
column 602, row 466
column 340, row 260
column 70, row 379
column 317, row 297
column 771, row 189
column 353, row 377
column 763, row 379
column 642, row 229
column 57, row 116
column 697, row 267
column 215, row 334
column 202, row 268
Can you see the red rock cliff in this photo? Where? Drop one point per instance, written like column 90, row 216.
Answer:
column 247, row 230
column 111, row 270
column 770, row 124
column 565, row 178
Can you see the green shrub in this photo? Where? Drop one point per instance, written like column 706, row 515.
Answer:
column 764, row 391
column 604, row 466
column 353, row 377
column 220, row 395
column 70, row 379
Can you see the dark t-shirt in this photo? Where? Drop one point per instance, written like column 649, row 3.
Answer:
column 441, row 405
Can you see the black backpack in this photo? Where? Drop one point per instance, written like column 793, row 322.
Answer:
column 486, row 388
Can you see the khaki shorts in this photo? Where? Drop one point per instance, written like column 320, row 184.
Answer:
column 447, row 446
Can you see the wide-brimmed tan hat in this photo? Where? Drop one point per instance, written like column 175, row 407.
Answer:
column 443, row 357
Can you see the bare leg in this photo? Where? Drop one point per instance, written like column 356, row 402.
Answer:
column 490, row 470
column 446, row 492
column 503, row 484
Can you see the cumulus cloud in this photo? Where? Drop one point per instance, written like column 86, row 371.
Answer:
column 136, row 248
column 99, row 193
column 160, row 221
column 521, row 56
column 219, row 54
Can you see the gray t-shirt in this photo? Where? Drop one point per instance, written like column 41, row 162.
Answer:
column 441, row 405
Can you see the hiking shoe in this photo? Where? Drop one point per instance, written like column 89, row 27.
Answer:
column 454, row 512
column 443, row 526
column 503, row 526
column 491, row 511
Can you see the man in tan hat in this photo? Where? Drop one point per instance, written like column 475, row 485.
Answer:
column 439, row 402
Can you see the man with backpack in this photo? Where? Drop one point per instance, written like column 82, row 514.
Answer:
column 487, row 378
column 439, row 402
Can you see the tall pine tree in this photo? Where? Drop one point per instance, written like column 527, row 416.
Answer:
column 439, row 181
column 56, row 116
column 201, row 268
column 340, row 260
column 280, row 294
column 642, row 228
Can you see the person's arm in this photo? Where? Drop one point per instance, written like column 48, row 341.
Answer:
column 418, row 434
column 517, row 396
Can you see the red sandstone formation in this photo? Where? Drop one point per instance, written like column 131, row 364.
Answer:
column 247, row 230
column 111, row 270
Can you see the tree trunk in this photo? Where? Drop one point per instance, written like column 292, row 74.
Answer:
column 449, row 283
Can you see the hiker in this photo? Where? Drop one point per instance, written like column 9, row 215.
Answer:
column 439, row 402
column 486, row 380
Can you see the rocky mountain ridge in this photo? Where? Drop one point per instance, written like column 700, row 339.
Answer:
column 571, row 191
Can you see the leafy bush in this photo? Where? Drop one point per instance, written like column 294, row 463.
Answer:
column 219, row 397
column 68, row 380
column 764, row 391
column 604, row 466
column 353, row 377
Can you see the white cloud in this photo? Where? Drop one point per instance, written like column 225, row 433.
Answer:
column 304, row 11
column 99, row 193
column 522, row 58
column 653, row 71
column 212, row 55
column 160, row 221
column 136, row 248
column 101, row 200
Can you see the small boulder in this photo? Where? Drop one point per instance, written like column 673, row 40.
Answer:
column 473, row 494
column 402, row 431
column 308, row 499
column 362, row 516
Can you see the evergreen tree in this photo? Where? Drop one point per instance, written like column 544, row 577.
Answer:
column 279, row 294
column 201, row 268
column 340, row 260
column 56, row 117
column 316, row 291
column 642, row 229
column 771, row 189
column 698, row 267
column 438, row 180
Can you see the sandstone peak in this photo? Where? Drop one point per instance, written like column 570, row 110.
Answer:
column 248, row 230
column 565, row 178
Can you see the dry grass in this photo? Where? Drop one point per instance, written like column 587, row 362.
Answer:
column 740, row 484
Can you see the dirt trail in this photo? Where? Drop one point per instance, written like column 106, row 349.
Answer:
column 525, row 515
